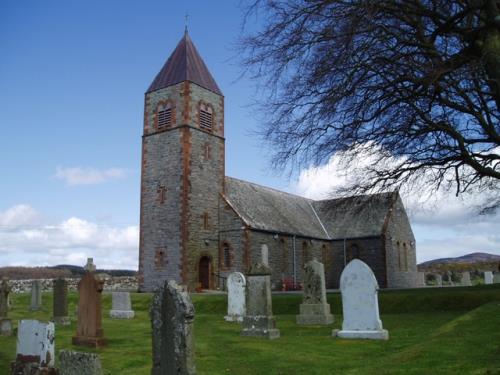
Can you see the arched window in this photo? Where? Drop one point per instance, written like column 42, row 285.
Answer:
column 305, row 253
column 284, row 255
column 206, row 225
column 405, row 257
column 400, row 256
column 165, row 114
column 206, row 115
column 225, row 255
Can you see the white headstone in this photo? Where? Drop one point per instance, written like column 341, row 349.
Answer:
column 359, row 289
column 121, row 306
column 236, row 306
column 35, row 342
column 466, row 279
column 439, row 280
column 488, row 277
column 264, row 252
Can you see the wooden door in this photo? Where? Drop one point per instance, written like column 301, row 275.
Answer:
column 204, row 272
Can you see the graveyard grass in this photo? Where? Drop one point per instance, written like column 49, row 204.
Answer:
column 432, row 331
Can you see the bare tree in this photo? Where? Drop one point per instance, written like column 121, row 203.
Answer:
column 418, row 81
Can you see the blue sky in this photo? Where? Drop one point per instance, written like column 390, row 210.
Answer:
column 72, row 81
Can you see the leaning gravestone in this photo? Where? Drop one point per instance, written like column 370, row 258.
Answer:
column 439, row 280
column 77, row 363
column 36, row 295
column 35, row 348
column 172, row 317
column 235, row 297
column 5, row 322
column 121, row 306
column 259, row 320
column 60, row 302
column 314, row 309
column 466, row 279
column 488, row 277
column 89, row 330
column 359, row 289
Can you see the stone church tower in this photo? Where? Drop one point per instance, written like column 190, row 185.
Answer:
column 182, row 173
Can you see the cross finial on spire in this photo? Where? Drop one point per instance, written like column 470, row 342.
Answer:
column 186, row 16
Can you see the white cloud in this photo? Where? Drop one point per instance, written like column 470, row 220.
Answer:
column 71, row 241
column 444, row 225
column 88, row 176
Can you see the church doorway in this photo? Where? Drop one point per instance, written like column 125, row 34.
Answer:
column 204, row 272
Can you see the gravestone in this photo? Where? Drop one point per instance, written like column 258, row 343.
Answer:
column 488, row 277
column 5, row 322
column 90, row 266
column 172, row 317
column 235, row 297
column 60, row 302
column 466, row 279
column 89, row 330
column 496, row 277
column 314, row 309
column 439, row 280
column 121, row 306
column 36, row 295
column 420, row 279
column 77, row 363
column 35, row 348
column 259, row 320
column 264, row 254
column 359, row 289
column 450, row 279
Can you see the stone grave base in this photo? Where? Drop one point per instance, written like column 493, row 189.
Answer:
column 62, row 320
column 260, row 326
column 370, row 335
column 76, row 363
column 314, row 314
column 93, row 342
column 233, row 318
column 22, row 368
column 121, row 314
column 5, row 327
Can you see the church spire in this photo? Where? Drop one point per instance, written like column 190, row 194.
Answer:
column 185, row 64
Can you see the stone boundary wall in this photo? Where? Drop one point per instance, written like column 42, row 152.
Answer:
column 122, row 283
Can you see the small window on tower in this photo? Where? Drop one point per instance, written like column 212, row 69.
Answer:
column 160, row 259
column 164, row 115
column 227, row 255
column 206, row 116
column 205, row 220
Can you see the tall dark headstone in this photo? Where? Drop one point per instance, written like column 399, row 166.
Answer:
column 60, row 300
column 89, row 330
column 36, row 295
column 5, row 322
column 172, row 317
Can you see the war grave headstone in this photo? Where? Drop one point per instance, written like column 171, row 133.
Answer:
column 488, row 277
column 5, row 322
column 89, row 330
column 36, row 295
column 259, row 320
column 314, row 309
column 359, row 289
column 60, row 302
column 439, row 279
column 77, row 363
column 466, row 279
column 35, row 348
column 172, row 318
column 236, row 305
column 121, row 306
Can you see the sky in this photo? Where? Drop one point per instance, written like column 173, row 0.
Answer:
column 72, row 81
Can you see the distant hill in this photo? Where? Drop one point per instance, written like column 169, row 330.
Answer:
column 63, row 270
column 471, row 261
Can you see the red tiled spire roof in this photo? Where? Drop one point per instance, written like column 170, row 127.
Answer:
column 185, row 64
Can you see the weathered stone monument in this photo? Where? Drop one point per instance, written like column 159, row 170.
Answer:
column 121, row 306
column 5, row 322
column 36, row 295
column 488, row 277
column 449, row 275
column 89, row 330
column 236, row 305
column 466, row 279
column 439, row 279
column 314, row 309
column 359, row 289
column 35, row 348
column 172, row 317
column 60, row 302
column 77, row 363
column 259, row 320
column 264, row 254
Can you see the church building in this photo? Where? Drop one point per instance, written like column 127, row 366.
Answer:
column 197, row 225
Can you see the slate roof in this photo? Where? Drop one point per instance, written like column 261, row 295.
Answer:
column 356, row 216
column 184, row 64
column 272, row 210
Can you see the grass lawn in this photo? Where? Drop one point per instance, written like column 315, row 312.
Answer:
column 432, row 331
